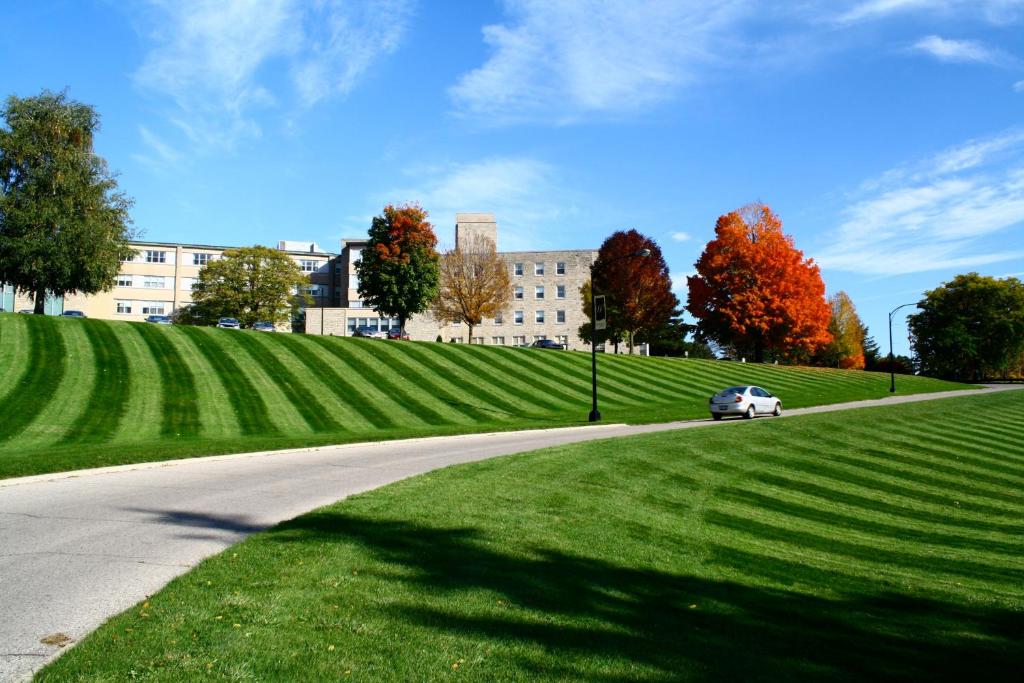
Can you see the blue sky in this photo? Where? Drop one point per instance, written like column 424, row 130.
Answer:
column 887, row 134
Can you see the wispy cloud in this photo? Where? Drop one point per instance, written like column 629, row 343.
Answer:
column 680, row 236
column 1018, row 86
column 160, row 153
column 558, row 61
column 212, row 57
column 523, row 193
column 963, row 51
column 935, row 214
column 992, row 11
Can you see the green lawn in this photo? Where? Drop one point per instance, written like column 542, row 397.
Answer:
column 877, row 544
column 86, row 393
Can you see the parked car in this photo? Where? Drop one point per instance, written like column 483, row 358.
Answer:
column 74, row 314
column 547, row 344
column 371, row 332
column 26, row 311
column 229, row 323
column 264, row 326
column 746, row 401
column 159, row 319
column 396, row 333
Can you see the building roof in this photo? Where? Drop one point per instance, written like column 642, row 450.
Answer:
column 220, row 247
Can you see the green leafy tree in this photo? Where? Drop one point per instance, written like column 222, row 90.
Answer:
column 251, row 284
column 612, row 333
column 971, row 327
column 398, row 271
column 64, row 227
column 871, row 351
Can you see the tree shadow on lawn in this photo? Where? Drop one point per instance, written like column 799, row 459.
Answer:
column 589, row 616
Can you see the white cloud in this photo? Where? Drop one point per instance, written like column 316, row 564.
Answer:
column 680, row 236
column 941, row 213
column 947, row 50
column 679, row 282
column 162, row 153
column 992, row 11
column 523, row 194
column 561, row 60
column 210, row 57
column 1018, row 86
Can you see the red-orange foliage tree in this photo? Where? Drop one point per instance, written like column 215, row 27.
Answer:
column 754, row 289
column 639, row 289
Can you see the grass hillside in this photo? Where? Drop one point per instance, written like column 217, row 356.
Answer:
column 84, row 393
column 880, row 544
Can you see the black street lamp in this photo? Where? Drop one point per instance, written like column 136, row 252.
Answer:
column 892, row 360
column 595, row 414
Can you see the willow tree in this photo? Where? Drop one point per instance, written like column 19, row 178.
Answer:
column 474, row 283
column 64, row 227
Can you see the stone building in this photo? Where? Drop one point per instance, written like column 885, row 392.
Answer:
column 545, row 302
column 158, row 281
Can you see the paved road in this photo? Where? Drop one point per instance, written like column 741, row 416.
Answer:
column 77, row 548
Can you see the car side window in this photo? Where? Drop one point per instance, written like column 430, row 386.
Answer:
column 757, row 392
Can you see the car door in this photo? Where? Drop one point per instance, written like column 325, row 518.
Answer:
column 760, row 399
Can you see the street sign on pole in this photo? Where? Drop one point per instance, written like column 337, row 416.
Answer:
column 600, row 313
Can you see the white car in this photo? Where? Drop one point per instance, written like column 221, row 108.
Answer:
column 746, row 401
column 229, row 324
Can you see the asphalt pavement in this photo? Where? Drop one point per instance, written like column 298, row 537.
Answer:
column 79, row 547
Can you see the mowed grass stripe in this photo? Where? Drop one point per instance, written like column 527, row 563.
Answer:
column 143, row 413
column 298, row 394
column 386, row 354
column 14, row 348
column 348, row 394
column 527, row 371
column 487, row 373
column 390, row 379
column 640, row 387
column 111, row 385
column 379, row 384
column 42, row 373
column 180, row 409
column 248, row 405
column 617, row 385
column 982, row 462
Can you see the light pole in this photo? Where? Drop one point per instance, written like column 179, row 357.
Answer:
column 595, row 414
column 892, row 360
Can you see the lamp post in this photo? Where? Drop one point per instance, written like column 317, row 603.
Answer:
column 595, row 414
column 892, row 360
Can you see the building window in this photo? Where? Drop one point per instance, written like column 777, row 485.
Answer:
column 199, row 259
column 560, row 292
column 187, row 283
column 563, row 339
column 560, row 317
column 124, row 306
column 518, row 269
column 456, row 340
column 538, row 268
column 152, row 308
column 560, row 268
column 539, row 337
column 154, row 282
column 538, row 292
column 307, row 265
column 156, row 256
column 499, row 318
column 478, row 340
column 539, row 316
column 124, row 281
column 498, row 341
column 519, row 340
column 518, row 317
column 456, row 323
column 130, row 257
column 518, row 292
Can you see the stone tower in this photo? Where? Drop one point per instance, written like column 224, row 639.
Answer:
column 479, row 224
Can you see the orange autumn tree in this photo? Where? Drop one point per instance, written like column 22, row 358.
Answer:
column 755, row 291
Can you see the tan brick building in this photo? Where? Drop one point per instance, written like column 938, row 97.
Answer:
column 545, row 301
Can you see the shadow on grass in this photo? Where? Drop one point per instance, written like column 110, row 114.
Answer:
column 591, row 617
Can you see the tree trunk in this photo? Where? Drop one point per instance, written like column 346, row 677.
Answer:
column 470, row 338
column 40, row 302
column 401, row 324
column 629, row 341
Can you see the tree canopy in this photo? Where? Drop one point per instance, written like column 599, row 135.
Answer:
column 250, row 283
column 64, row 227
column 638, row 289
column 474, row 283
column 755, row 291
column 399, row 268
column 971, row 327
column 846, row 350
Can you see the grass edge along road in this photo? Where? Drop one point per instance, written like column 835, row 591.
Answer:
column 92, row 393
column 872, row 544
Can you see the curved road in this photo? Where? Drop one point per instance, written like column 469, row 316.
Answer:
column 77, row 548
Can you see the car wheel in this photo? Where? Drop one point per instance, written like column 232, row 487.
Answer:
column 778, row 410
column 716, row 417
column 750, row 413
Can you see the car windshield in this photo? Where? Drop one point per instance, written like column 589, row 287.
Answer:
column 229, row 321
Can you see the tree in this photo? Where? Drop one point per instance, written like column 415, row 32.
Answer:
column 638, row 289
column 399, row 271
column 754, row 289
column 474, row 283
column 64, row 227
column 871, row 351
column 971, row 327
column 251, row 284
column 846, row 349
column 612, row 333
